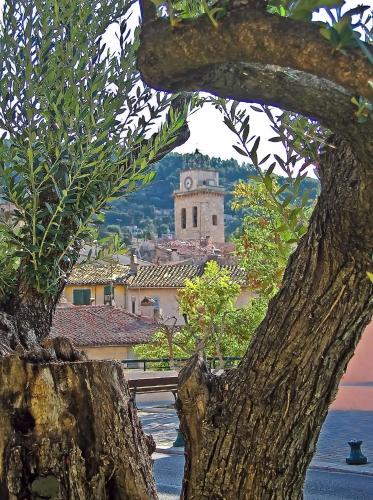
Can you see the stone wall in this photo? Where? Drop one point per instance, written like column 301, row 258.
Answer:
column 208, row 204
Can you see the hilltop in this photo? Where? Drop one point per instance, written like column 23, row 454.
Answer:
column 150, row 210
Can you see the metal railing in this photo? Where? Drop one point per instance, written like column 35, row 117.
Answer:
column 159, row 364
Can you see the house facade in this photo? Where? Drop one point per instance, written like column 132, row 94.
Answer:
column 97, row 283
column 162, row 283
column 355, row 392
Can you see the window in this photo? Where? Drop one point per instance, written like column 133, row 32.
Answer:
column 183, row 218
column 107, row 295
column 214, row 220
column 133, row 301
column 82, row 297
column 195, row 216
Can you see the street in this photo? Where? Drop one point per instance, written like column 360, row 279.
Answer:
column 320, row 485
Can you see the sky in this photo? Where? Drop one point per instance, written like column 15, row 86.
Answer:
column 212, row 137
column 209, row 134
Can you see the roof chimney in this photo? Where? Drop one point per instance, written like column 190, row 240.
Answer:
column 134, row 264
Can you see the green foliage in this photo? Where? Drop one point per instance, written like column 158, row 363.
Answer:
column 214, row 324
column 234, row 339
column 264, row 241
column 303, row 9
column 301, row 139
column 114, row 228
column 364, row 109
column 207, row 300
column 348, row 30
column 155, row 200
column 75, row 116
column 182, row 345
column 8, row 265
column 177, row 10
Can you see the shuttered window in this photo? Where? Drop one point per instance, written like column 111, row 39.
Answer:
column 82, row 297
column 107, row 295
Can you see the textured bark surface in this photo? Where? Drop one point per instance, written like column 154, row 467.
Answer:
column 70, row 431
column 255, row 428
column 252, row 432
column 255, row 56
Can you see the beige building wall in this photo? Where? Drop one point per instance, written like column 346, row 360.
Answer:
column 199, row 205
column 168, row 301
column 244, row 297
column 167, row 298
column 200, row 177
column 97, row 294
column 108, row 352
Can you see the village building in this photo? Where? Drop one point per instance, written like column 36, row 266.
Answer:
column 102, row 332
column 96, row 283
column 90, row 253
column 147, row 291
column 153, row 290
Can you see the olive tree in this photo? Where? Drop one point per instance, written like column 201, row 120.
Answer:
column 251, row 433
column 78, row 130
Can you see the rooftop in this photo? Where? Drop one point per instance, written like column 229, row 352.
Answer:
column 195, row 247
column 93, row 326
column 97, row 273
column 174, row 276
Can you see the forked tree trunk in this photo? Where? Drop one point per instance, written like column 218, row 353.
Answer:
column 68, row 426
column 251, row 433
column 26, row 318
column 69, row 431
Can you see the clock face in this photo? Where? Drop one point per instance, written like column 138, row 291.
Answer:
column 188, row 182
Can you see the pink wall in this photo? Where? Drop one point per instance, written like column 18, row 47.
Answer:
column 360, row 368
column 356, row 388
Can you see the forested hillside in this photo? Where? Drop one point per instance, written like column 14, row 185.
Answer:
column 150, row 210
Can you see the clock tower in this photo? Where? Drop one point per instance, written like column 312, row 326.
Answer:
column 199, row 206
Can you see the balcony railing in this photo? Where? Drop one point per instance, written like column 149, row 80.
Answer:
column 161, row 364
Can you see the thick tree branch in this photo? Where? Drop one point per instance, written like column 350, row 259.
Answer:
column 255, row 56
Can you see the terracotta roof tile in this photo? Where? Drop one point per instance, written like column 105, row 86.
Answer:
column 174, row 276
column 163, row 276
column 194, row 247
column 95, row 273
column 101, row 326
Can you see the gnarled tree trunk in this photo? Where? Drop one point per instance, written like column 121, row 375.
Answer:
column 252, row 432
column 70, row 431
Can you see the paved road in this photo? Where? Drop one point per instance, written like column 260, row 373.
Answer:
column 320, row 485
column 339, row 427
column 332, row 448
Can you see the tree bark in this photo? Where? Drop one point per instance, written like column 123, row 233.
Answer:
column 70, row 431
column 25, row 320
column 251, row 433
column 256, row 56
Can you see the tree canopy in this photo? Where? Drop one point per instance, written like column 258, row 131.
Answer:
column 79, row 130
